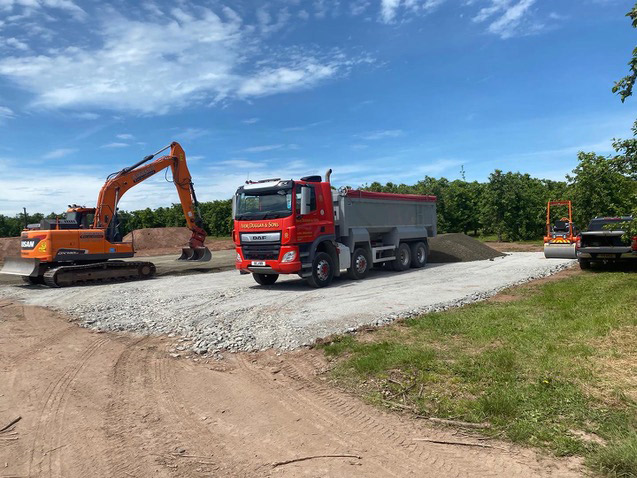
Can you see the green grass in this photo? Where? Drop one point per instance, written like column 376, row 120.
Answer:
column 551, row 369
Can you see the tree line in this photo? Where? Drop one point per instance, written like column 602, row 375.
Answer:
column 511, row 206
column 215, row 214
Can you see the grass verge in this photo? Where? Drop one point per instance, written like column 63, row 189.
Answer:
column 556, row 367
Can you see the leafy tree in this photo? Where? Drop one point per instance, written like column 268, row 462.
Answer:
column 598, row 189
column 624, row 87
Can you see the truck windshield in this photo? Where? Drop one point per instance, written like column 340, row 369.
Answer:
column 269, row 204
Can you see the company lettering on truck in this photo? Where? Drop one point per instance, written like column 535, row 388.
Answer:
column 258, row 225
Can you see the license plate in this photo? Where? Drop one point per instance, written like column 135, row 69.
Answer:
column 606, row 256
column 258, row 263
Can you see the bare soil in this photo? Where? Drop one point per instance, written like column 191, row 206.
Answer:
column 100, row 404
column 9, row 246
column 169, row 240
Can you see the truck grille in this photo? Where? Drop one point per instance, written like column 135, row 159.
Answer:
column 261, row 251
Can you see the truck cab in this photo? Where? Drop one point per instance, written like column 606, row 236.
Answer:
column 279, row 223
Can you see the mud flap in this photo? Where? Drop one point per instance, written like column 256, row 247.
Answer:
column 21, row 267
column 195, row 254
column 560, row 251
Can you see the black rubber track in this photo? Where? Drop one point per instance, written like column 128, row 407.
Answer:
column 109, row 271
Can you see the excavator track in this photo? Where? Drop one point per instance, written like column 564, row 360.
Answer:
column 65, row 276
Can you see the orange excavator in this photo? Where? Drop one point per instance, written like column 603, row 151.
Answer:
column 86, row 246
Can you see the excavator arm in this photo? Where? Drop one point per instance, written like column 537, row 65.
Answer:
column 119, row 183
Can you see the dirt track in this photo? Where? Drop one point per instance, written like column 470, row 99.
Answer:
column 98, row 404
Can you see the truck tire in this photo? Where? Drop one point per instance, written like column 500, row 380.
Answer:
column 361, row 264
column 418, row 255
column 265, row 279
column 322, row 270
column 403, row 258
column 584, row 264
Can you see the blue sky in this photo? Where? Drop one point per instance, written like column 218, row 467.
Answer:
column 378, row 90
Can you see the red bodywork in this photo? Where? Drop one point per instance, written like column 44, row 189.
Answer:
column 295, row 230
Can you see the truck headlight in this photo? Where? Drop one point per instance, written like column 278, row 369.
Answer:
column 289, row 256
column 239, row 257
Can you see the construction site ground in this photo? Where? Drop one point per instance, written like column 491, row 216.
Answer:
column 118, row 405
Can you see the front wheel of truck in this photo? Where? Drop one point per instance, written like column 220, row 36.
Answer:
column 322, row 270
column 361, row 264
column 265, row 279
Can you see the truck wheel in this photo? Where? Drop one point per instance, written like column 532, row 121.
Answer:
column 265, row 279
column 584, row 264
column 403, row 258
column 360, row 265
column 322, row 270
column 418, row 255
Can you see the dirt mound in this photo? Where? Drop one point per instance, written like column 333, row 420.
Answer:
column 9, row 246
column 158, row 241
column 459, row 248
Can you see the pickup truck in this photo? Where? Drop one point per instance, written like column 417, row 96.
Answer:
column 603, row 242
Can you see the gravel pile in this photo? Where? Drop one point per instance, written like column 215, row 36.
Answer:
column 459, row 248
column 227, row 311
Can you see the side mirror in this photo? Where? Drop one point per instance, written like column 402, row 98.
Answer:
column 305, row 200
column 234, row 206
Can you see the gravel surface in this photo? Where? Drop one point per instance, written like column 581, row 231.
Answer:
column 228, row 311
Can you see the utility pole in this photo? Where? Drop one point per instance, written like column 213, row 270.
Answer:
column 26, row 218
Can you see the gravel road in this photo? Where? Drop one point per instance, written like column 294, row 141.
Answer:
column 228, row 311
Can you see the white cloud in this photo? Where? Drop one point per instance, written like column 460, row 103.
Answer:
column 507, row 17
column 241, row 163
column 250, row 121
column 389, row 8
column 382, row 134
column 261, row 149
column 158, row 64
column 125, row 136
column 191, row 134
column 59, row 153
column 17, row 44
column 115, row 145
column 87, row 115
column 6, row 113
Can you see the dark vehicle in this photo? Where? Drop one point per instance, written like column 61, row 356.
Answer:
column 603, row 242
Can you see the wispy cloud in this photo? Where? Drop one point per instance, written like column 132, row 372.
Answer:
column 59, row 153
column 250, row 120
column 125, row 136
column 305, row 126
column 207, row 56
column 191, row 134
column 389, row 8
column 263, row 148
column 507, row 17
column 242, row 163
column 6, row 113
column 115, row 145
column 87, row 115
column 382, row 134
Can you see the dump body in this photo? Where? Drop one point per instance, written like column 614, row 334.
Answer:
column 382, row 217
column 306, row 228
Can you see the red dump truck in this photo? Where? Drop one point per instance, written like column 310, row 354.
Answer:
column 305, row 227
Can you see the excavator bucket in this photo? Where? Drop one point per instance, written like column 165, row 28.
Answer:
column 560, row 251
column 195, row 254
column 21, row 267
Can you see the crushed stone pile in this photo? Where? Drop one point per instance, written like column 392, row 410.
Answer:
column 9, row 247
column 459, row 247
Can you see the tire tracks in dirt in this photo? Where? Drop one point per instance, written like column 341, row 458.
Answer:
column 48, row 429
